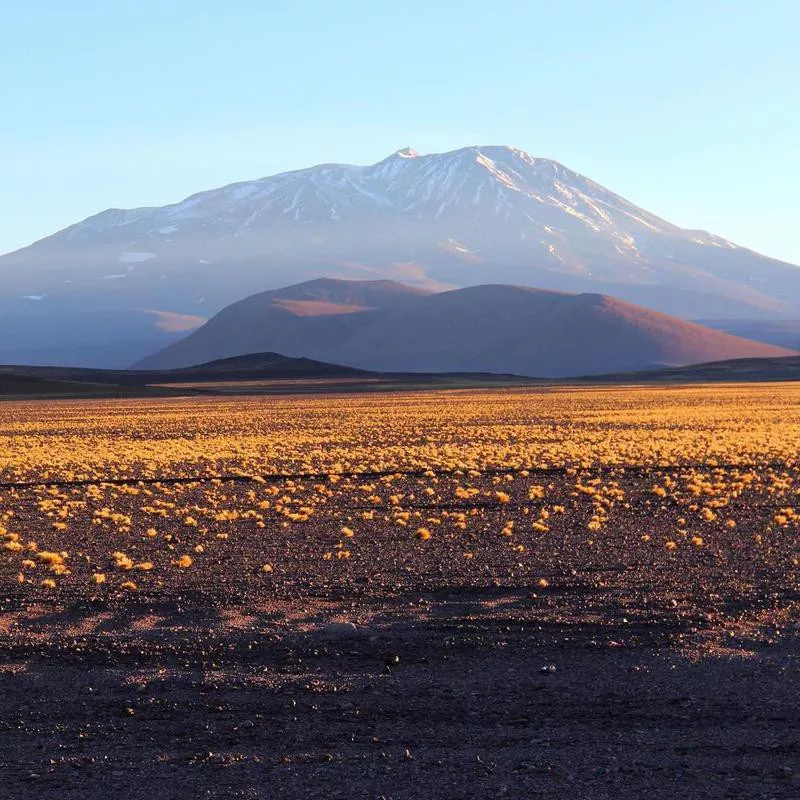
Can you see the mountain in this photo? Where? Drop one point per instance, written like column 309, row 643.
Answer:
column 300, row 320
column 213, row 377
column 739, row 370
column 253, row 366
column 124, row 282
column 254, row 373
column 782, row 332
column 492, row 328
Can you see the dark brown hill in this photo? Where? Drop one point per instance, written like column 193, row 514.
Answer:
column 386, row 326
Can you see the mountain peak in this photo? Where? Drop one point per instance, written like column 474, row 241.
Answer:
column 406, row 152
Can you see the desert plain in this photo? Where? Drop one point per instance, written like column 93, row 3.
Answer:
column 538, row 592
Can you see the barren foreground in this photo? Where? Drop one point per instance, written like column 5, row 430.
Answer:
column 583, row 594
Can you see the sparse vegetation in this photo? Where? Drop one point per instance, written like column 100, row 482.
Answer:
column 536, row 467
column 212, row 561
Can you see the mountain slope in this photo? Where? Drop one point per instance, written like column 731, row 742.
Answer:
column 492, row 328
column 238, row 373
column 297, row 321
column 782, row 332
column 476, row 215
column 253, row 366
column 739, row 370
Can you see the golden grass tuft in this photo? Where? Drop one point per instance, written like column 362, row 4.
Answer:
column 50, row 558
column 122, row 561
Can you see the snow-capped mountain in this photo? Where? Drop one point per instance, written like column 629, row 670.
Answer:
column 127, row 281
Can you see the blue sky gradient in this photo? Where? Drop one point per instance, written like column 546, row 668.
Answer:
column 689, row 109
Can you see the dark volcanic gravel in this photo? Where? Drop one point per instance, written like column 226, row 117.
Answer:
column 505, row 621
column 412, row 672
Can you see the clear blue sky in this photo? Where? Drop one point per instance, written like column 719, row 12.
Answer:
column 689, row 108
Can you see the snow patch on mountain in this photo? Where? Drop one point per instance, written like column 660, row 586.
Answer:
column 136, row 257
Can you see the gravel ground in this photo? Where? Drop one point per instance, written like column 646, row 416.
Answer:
column 430, row 631
column 414, row 672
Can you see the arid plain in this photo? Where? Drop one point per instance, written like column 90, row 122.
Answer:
column 481, row 593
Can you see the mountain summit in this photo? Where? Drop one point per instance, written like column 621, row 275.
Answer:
column 100, row 289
